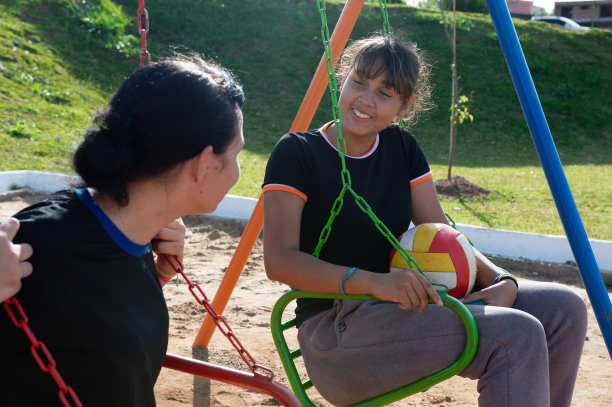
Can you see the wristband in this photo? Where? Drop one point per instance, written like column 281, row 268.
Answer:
column 164, row 280
column 348, row 275
column 164, row 276
column 505, row 276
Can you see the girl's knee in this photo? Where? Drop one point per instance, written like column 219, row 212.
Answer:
column 552, row 300
column 527, row 328
column 571, row 306
column 514, row 332
column 509, row 340
column 575, row 304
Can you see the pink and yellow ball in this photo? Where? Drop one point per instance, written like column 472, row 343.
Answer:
column 444, row 254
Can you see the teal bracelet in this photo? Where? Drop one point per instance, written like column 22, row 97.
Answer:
column 348, row 275
column 505, row 276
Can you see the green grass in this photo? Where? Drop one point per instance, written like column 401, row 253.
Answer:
column 526, row 204
column 48, row 86
column 58, row 64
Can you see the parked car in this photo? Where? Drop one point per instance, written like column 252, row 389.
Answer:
column 562, row 21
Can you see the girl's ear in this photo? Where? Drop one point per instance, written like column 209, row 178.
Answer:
column 201, row 164
column 406, row 106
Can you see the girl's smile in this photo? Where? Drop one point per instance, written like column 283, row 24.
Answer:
column 367, row 106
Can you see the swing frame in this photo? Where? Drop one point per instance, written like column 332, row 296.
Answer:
column 536, row 121
column 550, row 162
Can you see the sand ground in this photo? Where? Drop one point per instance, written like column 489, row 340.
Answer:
column 209, row 247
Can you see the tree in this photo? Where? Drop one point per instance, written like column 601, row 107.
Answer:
column 459, row 103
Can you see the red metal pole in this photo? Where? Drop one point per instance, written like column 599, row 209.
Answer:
column 259, row 383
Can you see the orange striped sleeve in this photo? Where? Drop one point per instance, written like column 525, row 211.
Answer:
column 285, row 188
column 422, row 178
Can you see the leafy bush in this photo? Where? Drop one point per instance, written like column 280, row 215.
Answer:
column 106, row 21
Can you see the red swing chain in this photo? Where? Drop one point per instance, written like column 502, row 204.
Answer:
column 65, row 392
column 142, row 11
column 221, row 323
column 50, row 365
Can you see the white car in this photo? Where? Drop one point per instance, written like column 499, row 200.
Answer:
column 562, row 21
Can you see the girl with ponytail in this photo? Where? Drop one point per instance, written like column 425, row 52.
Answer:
column 166, row 146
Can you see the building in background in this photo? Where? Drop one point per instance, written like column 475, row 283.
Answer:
column 520, row 9
column 594, row 13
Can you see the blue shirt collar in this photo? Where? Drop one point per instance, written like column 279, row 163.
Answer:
column 113, row 231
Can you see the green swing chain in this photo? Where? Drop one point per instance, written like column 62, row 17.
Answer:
column 387, row 31
column 341, row 144
column 385, row 15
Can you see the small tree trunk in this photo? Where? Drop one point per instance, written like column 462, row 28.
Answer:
column 454, row 91
column 451, row 149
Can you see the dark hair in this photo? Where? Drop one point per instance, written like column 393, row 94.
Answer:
column 162, row 115
column 402, row 64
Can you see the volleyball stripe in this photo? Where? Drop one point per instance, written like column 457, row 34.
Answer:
column 442, row 236
column 467, row 247
column 462, row 269
column 423, row 238
column 440, row 262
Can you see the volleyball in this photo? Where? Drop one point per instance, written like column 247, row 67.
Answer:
column 444, row 254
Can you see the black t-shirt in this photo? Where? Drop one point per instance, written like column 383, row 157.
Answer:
column 95, row 300
column 307, row 164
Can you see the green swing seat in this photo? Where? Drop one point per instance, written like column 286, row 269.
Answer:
column 299, row 388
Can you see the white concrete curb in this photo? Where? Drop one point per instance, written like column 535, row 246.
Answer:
column 231, row 207
column 35, row 180
column 530, row 246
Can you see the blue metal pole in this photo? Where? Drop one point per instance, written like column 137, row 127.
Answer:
column 574, row 229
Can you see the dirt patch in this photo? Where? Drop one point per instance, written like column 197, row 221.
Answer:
column 459, row 187
column 12, row 202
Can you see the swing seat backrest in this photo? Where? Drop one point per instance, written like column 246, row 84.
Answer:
column 299, row 388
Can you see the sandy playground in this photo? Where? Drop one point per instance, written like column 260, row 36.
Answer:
column 210, row 244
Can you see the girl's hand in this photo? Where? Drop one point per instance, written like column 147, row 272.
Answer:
column 408, row 287
column 169, row 240
column 13, row 264
column 502, row 294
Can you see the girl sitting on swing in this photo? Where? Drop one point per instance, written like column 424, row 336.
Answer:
column 165, row 147
column 531, row 334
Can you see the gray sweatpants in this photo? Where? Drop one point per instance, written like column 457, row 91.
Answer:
column 528, row 355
